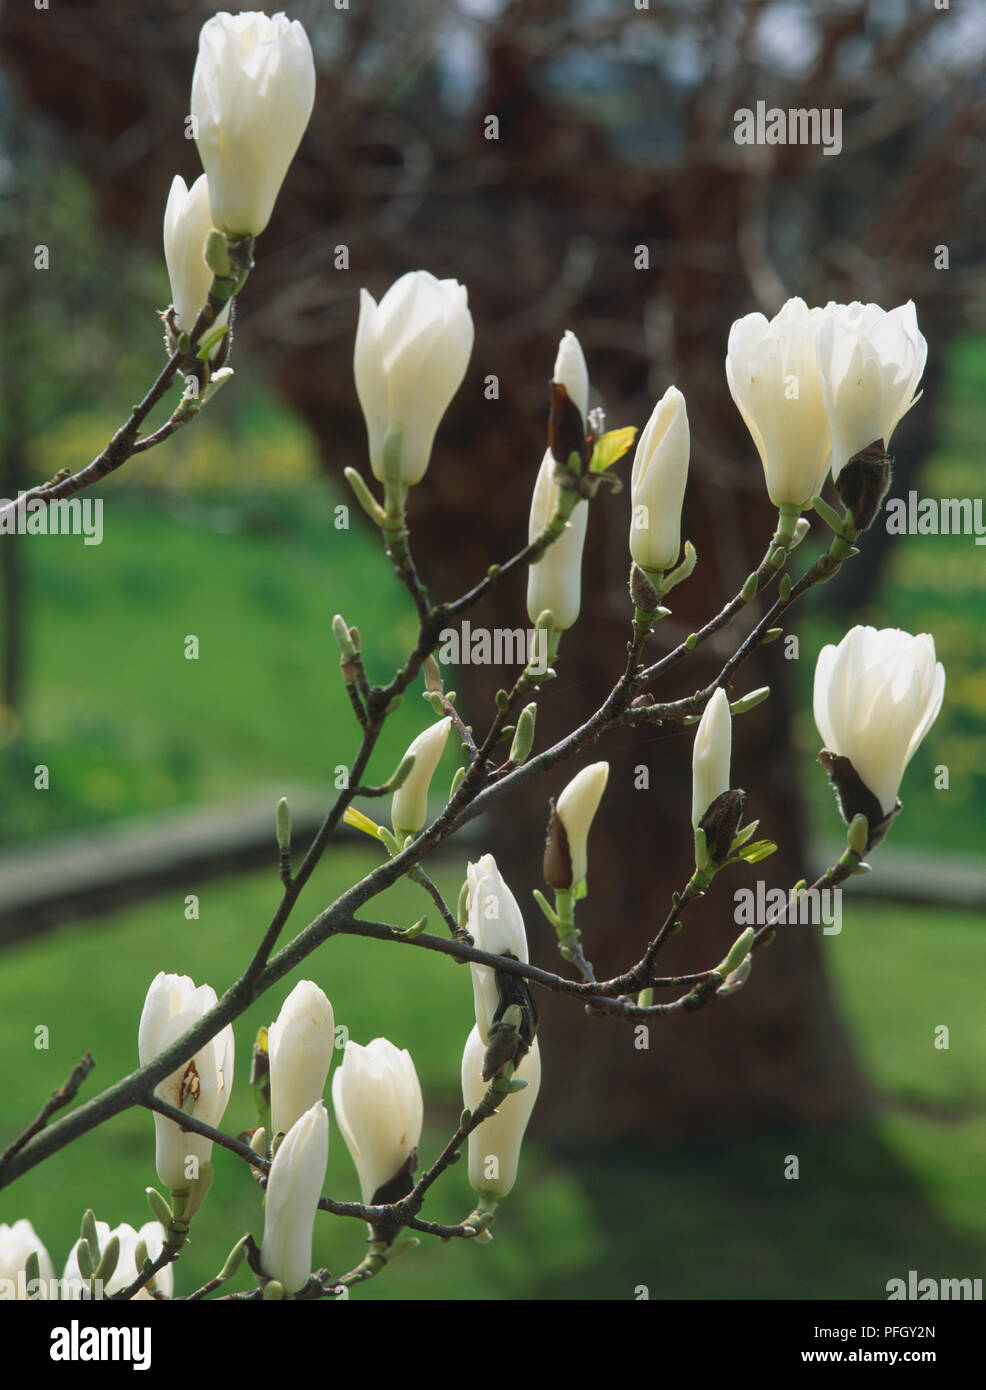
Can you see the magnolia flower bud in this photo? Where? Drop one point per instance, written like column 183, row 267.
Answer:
column 187, row 223
column 871, row 362
column 252, row 94
column 409, row 807
column 379, row 1111
column 294, row 1186
column 574, row 810
column 876, row 696
column 657, row 484
column 17, row 1243
column 710, row 755
column 494, row 1145
column 555, row 581
column 202, row 1086
column 571, row 372
column 299, row 1046
column 412, row 350
column 495, row 923
column 773, row 377
column 126, row 1271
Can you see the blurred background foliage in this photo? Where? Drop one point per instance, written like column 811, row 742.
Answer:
column 615, row 130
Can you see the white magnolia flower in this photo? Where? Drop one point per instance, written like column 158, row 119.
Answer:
column 494, row 1145
column 495, row 923
column 409, row 807
column 412, row 350
column 871, row 362
column 876, row 696
column 187, row 224
column 657, row 484
column 379, row 1111
column 773, row 376
column 555, row 582
column 575, row 809
column 17, row 1242
column 151, row 1233
column 294, row 1186
column 172, row 1006
column 711, row 755
column 299, row 1048
column 252, row 95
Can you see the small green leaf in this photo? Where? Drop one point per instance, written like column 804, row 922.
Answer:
column 611, row 447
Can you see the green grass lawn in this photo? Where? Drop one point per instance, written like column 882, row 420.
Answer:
column 126, row 723
column 899, row 1192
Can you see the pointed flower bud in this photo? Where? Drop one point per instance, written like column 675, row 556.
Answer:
column 201, row 1086
column 494, row 1145
column 294, row 1186
column 871, row 362
column 555, row 581
column 299, row 1046
column 657, row 484
column 773, row 377
column 411, row 353
column 409, row 807
column 495, row 923
column 17, row 1243
column 187, row 224
column 523, row 740
column 575, row 809
column 253, row 90
column 125, row 1271
column 379, row 1111
column 711, row 755
column 571, row 372
column 876, row 696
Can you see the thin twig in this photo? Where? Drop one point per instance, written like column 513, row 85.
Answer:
column 65, row 1093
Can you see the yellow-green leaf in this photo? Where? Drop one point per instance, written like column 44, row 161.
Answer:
column 611, row 446
column 360, row 822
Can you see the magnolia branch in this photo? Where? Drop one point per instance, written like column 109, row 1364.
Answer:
column 470, row 800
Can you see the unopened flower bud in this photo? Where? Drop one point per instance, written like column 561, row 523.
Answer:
column 657, row 485
column 411, row 354
column 523, row 740
column 300, row 1044
column 494, row 1145
column 876, row 696
column 379, row 1110
column 252, row 95
column 871, row 362
column 202, row 1085
column 495, row 923
column 574, row 809
column 409, row 808
column 187, row 225
column 711, row 755
column 294, row 1186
